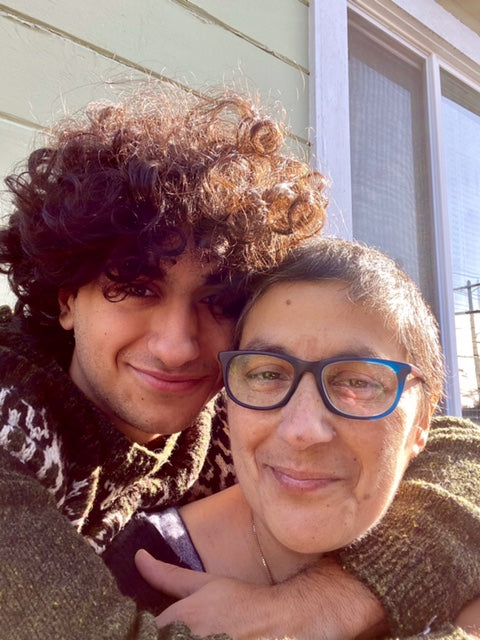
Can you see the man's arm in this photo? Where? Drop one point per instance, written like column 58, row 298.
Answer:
column 423, row 560
column 304, row 607
column 52, row 584
column 422, row 563
column 256, row 614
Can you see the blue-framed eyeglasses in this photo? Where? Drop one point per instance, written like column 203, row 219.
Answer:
column 360, row 388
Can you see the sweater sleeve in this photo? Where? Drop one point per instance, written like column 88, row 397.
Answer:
column 423, row 560
column 447, row 632
column 52, row 584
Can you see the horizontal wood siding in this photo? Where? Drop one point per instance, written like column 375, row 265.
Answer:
column 57, row 55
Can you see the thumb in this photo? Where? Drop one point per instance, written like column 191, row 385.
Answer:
column 172, row 580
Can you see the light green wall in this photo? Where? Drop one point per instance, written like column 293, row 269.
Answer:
column 57, row 55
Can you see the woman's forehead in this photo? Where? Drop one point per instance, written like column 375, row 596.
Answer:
column 319, row 317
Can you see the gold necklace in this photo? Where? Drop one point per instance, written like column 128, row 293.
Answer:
column 262, row 557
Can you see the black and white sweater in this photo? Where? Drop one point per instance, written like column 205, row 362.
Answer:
column 97, row 477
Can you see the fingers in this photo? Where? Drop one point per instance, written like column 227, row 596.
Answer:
column 175, row 581
column 469, row 618
column 180, row 611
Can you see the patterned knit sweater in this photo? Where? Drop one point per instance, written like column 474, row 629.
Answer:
column 65, row 470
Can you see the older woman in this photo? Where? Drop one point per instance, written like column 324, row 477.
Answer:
column 335, row 376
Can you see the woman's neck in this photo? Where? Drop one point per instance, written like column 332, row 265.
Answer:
column 234, row 543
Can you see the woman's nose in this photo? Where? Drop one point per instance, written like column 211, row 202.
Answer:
column 305, row 420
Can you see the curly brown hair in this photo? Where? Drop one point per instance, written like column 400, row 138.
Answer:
column 123, row 187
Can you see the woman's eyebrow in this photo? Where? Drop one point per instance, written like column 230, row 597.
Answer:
column 362, row 351
column 260, row 345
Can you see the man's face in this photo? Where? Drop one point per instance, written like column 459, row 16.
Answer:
column 149, row 361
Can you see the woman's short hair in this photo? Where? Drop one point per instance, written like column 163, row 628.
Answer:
column 372, row 280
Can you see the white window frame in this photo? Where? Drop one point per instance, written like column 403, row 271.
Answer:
column 444, row 43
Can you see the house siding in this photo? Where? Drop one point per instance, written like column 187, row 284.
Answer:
column 57, row 56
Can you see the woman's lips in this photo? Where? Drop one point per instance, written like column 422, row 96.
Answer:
column 302, row 480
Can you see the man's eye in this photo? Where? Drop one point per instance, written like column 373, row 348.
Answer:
column 212, row 299
column 214, row 303
column 223, row 305
column 138, row 291
column 118, row 292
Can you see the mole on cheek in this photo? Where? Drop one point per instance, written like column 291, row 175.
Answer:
column 288, row 302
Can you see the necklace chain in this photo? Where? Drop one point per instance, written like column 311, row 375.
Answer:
column 262, row 557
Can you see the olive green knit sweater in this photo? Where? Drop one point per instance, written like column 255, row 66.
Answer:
column 431, row 528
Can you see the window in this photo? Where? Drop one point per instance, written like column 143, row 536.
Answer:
column 404, row 161
column 461, row 135
column 391, row 182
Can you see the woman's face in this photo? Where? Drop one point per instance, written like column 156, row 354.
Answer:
column 317, row 481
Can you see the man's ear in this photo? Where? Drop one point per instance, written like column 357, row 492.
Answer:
column 66, row 303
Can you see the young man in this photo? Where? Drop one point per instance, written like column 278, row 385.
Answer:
column 130, row 233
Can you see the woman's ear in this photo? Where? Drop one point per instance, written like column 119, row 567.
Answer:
column 420, row 440
column 66, row 303
column 422, row 429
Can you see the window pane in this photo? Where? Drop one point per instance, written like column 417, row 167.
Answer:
column 461, row 130
column 391, row 191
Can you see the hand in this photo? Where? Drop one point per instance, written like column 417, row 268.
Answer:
column 469, row 618
column 204, row 600
column 323, row 603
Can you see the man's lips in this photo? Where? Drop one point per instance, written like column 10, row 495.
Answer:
column 303, row 480
column 166, row 382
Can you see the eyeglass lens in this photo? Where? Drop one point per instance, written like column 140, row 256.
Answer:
column 356, row 388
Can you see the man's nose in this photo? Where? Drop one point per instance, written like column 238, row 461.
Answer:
column 174, row 336
column 305, row 420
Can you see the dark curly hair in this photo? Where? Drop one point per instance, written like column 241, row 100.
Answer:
column 122, row 188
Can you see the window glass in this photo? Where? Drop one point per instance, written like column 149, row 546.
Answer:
column 461, row 134
column 391, row 184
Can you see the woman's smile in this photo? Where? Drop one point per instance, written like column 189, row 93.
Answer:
column 302, row 481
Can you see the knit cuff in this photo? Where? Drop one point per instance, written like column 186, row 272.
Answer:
column 180, row 631
column 422, row 561
column 446, row 633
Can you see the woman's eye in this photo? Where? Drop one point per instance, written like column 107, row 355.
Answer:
column 264, row 375
column 356, row 384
